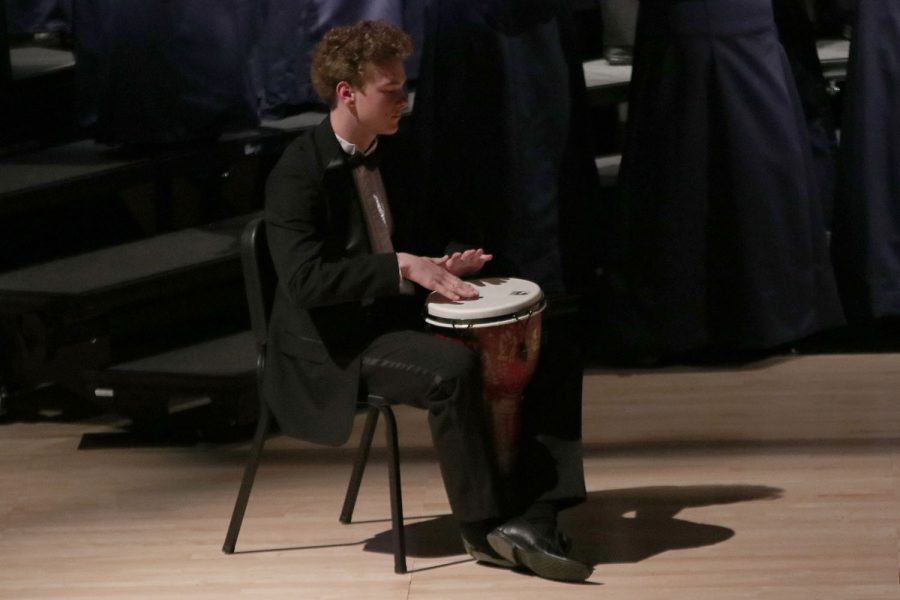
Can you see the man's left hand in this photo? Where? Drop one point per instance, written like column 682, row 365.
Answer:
column 463, row 264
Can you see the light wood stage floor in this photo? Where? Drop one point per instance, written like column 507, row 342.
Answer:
column 775, row 480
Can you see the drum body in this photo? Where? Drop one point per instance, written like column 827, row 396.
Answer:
column 503, row 326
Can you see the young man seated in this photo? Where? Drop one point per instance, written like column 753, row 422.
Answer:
column 346, row 316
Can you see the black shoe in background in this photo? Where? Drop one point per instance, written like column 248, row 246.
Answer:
column 618, row 56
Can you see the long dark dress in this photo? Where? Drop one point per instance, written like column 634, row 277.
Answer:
column 866, row 241
column 723, row 242
column 499, row 116
column 797, row 34
column 159, row 72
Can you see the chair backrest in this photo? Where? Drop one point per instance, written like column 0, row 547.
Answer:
column 259, row 278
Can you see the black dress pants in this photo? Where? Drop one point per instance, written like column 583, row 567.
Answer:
column 444, row 378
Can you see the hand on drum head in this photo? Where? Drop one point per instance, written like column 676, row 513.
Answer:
column 466, row 263
column 435, row 277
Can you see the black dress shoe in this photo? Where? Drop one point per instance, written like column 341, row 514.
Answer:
column 618, row 56
column 526, row 545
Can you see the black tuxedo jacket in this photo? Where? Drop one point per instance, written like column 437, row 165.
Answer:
column 334, row 296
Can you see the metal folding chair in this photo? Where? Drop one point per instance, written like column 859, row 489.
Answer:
column 260, row 281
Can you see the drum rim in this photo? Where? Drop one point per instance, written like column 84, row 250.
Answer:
column 497, row 306
column 495, row 321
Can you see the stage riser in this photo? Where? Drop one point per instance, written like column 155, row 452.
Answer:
column 119, row 303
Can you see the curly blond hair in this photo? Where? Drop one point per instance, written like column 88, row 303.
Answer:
column 344, row 53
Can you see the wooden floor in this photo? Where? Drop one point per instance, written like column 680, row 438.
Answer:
column 778, row 480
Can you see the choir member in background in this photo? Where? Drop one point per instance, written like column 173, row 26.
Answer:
column 867, row 211
column 501, row 121
column 723, row 241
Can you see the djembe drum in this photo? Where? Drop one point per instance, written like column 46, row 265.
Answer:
column 503, row 325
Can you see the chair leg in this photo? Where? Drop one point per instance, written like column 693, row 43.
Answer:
column 359, row 465
column 396, row 497
column 240, row 505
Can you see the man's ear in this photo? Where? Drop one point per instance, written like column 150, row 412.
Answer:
column 345, row 93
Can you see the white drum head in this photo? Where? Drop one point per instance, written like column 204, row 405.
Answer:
column 501, row 300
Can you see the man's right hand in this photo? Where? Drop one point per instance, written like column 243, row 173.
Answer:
column 434, row 277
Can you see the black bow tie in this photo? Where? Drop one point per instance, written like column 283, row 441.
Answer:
column 369, row 161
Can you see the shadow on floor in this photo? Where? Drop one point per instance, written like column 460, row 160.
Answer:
column 612, row 526
column 432, row 538
column 633, row 524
